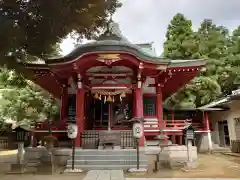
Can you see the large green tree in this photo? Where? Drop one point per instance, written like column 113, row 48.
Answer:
column 212, row 44
column 33, row 27
column 229, row 78
column 179, row 42
column 25, row 103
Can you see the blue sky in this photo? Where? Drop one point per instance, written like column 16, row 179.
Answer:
column 143, row 21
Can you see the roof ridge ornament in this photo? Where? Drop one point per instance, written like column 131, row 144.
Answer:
column 108, row 30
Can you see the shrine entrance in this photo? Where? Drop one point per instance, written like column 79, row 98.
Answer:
column 111, row 114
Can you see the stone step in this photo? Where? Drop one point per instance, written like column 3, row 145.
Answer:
column 109, row 157
column 107, row 162
column 106, row 167
column 220, row 150
column 108, row 152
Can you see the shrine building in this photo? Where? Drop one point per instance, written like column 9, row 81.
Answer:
column 103, row 84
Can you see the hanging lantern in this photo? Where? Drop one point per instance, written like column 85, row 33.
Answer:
column 109, row 99
column 113, row 99
column 120, row 98
column 96, row 96
column 123, row 94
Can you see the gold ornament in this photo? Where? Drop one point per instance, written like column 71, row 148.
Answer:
column 109, row 99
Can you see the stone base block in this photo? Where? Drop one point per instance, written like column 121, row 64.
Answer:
column 45, row 169
column 190, row 165
column 117, row 147
column 203, row 143
column 100, row 147
column 60, row 155
column 176, row 164
column 75, row 170
column 17, row 168
column 160, row 164
column 140, row 171
column 179, row 154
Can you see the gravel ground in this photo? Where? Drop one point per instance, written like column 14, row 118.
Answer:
column 209, row 166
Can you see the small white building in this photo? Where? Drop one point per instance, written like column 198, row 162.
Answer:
column 226, row 123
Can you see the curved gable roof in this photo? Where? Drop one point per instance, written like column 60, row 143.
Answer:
column 113, row 40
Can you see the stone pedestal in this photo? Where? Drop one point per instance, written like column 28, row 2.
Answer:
column 17, row 168
column 44, row 168
column 190, row 165
column 191, row 162
column 73, row 171
column 178, row 155
column 140, row 171
column 46, row 165
column 109, row 139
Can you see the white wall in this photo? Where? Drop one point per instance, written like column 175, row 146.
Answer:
column 229, row 115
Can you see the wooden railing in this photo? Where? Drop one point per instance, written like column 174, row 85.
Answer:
column 179, row 124
column 152, row 123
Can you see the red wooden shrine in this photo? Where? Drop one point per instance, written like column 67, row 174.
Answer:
column 102, row 84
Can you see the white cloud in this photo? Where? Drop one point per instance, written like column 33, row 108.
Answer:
column 147, row 20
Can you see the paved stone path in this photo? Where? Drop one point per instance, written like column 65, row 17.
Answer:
column 182, row 178
column 104, row 175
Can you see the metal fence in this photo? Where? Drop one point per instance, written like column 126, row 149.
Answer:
column 4, row 143
column 90, row 139
column 127, row 140
column 235, row 146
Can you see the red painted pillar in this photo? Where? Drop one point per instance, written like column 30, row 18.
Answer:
column 64, row 103
column 86, row 111
column 33, row 139
column 174, row 139
column 207, row 128
column 159, row 108
column 139, row 110
column 206, row 122
column 79, row 113
column 180, row 139
column 134, row 104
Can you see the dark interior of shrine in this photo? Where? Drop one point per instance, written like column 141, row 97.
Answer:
column 112, row 114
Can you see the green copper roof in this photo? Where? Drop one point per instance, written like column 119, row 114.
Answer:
column 112, row 40
column 184, row 63
column 148, row 49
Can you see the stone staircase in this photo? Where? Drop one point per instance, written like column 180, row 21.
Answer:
column 107, row 159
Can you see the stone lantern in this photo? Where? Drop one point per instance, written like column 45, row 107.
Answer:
column 189, row 134
column 21, row 135
column 161, row 139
